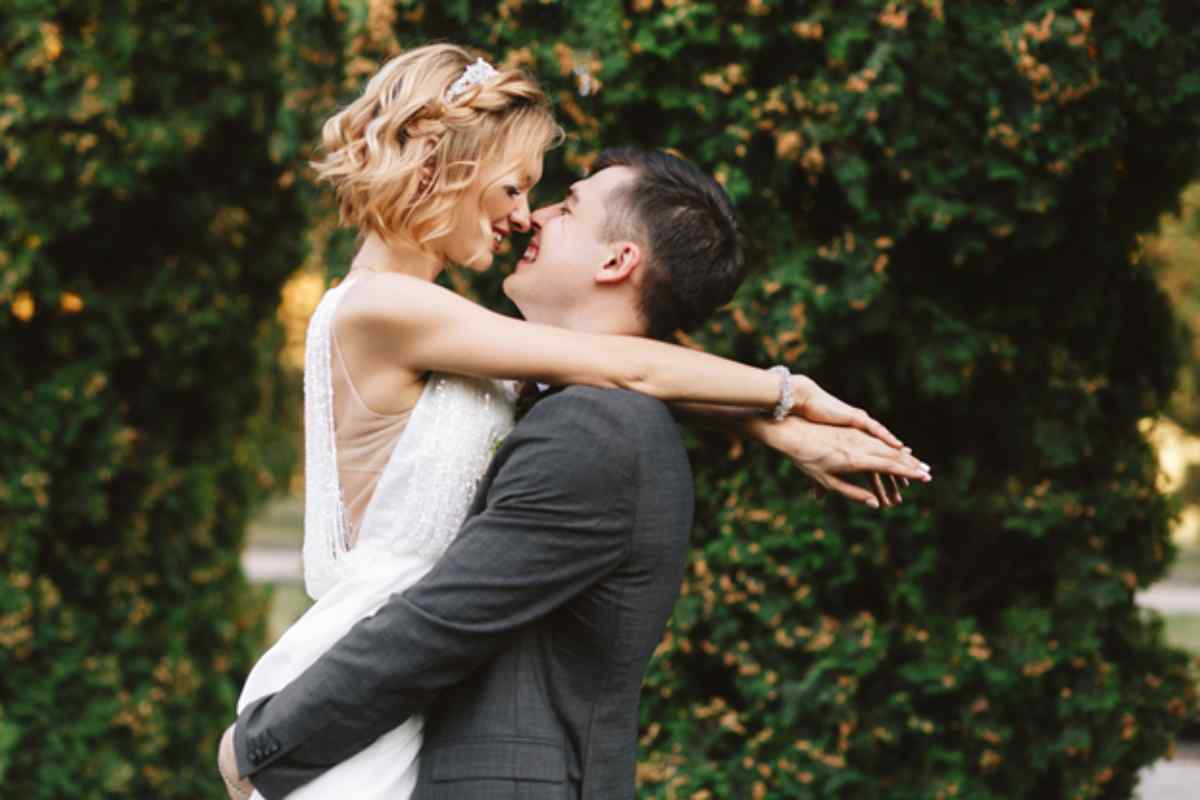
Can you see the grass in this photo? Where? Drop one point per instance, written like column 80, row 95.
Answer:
column 1186, row 567
column 288, row 602
column 1183, row 630
column 279, row 524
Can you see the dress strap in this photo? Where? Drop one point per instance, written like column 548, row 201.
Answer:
column 326, row 539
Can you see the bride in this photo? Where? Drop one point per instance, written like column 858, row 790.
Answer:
column 404, row 402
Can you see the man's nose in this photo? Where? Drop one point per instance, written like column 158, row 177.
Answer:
column 520, row 215
column 543, row 215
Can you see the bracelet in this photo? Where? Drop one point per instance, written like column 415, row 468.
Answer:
column 786, row 399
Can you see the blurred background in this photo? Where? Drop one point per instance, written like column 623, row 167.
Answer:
column 979, row 221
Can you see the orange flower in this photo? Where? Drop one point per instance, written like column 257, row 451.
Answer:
column 23, row 306
column 70, row 303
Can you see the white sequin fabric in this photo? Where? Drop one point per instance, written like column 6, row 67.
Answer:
column 430, row 479
column 325, row 542
column 427, row 487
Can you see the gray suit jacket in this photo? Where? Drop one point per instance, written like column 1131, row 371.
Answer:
column 527, row 644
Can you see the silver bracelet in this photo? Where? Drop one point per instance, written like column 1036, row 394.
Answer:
column 786, row 399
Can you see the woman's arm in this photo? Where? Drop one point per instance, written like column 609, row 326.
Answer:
column 422, row 326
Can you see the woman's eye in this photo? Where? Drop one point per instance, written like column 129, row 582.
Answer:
column 513, row 191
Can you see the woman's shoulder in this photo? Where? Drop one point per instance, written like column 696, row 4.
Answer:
column 382, row 302
column 371, row 323
column 371, row 292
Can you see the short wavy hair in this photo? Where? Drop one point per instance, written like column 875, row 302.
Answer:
column 400, row 157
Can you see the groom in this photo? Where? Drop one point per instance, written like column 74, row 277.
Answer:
column 526, row 645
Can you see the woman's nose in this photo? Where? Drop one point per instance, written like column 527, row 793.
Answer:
column 520, row 215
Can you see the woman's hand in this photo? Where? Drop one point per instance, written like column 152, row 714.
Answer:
column 238, row 788
column 827, row 452
column 817, row 405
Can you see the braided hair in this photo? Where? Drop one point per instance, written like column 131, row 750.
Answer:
column 400, row 157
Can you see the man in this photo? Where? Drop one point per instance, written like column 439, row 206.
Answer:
column 526, row 645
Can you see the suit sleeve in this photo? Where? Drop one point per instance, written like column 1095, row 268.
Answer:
column 558, row 517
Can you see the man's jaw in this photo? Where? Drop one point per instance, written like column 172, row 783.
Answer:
column 528, row 311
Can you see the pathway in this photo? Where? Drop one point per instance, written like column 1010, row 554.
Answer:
column 1172, row 598
column 272, row 565
column 1173, row 780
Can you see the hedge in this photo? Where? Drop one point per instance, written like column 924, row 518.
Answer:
column 946, row 200
column 145, row 230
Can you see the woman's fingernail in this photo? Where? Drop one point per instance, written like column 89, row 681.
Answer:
column 873, row 503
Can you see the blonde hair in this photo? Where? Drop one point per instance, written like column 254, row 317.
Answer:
column 400, row 157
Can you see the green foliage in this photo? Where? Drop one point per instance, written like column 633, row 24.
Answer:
column 944, row 199
column 143, row 240
column 950, row 199
column 964, row 192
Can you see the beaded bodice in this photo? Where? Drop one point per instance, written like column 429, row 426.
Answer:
column 426, row 488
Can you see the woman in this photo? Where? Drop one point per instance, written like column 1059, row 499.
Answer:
column 434, row 163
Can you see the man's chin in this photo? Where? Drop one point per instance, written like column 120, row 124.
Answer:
column 511, row 286
column 530, row 311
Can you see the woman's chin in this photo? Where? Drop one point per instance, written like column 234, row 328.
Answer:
column 480, row 263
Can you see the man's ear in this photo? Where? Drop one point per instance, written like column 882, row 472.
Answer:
column 625, row 261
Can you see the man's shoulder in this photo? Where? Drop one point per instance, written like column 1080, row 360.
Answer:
column 608, row 422
column 620, row 408
column 618, row 398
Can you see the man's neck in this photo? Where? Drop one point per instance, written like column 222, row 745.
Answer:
column 614, row 320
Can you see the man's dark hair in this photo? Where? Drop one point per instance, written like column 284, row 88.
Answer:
column 687, row 226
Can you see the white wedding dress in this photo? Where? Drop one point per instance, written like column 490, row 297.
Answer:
column 420, row 501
